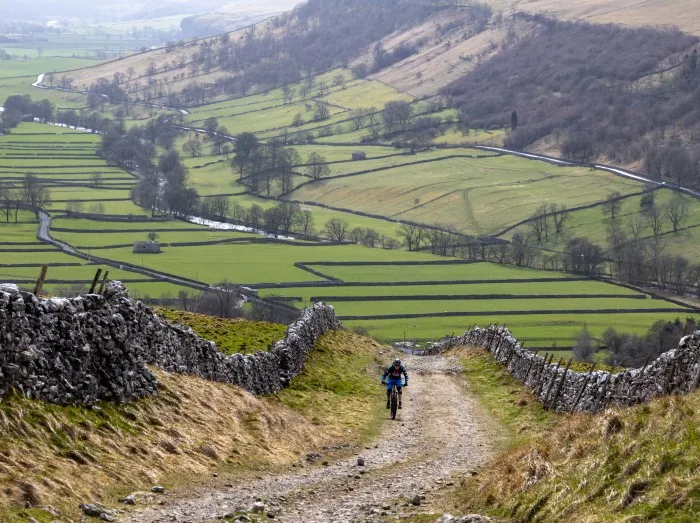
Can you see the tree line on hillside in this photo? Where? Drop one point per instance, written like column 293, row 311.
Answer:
column 596, row 91
column 19, row 107
column 634, row 350
column 314, row 37
column 31, row 193
column 637, row 246
column 22, row 107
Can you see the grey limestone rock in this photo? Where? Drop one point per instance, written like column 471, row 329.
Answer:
column 96, row 347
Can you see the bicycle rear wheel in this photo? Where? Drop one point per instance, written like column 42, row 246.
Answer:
column 394, row 402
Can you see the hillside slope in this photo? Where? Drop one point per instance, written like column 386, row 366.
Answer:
column 635, row 464
column 63, row 456
column 684, row 14
column 233, row 16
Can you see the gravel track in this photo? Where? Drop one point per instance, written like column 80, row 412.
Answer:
column 440, row 432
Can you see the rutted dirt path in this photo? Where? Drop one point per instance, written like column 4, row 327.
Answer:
column 439, row 432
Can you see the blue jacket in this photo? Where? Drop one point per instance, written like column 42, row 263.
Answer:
column 395, row 374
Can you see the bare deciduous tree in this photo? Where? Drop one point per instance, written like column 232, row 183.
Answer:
column 336, row 229
column 677, row 211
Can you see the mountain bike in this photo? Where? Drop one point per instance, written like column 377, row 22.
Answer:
column 394, row 400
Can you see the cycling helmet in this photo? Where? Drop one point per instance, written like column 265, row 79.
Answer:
column 397, row 362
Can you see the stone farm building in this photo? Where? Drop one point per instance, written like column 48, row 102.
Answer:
column 146, row 247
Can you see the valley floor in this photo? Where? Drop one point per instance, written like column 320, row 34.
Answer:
column 440, row 431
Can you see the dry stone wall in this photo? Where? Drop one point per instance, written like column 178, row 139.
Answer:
column 560, row 389
column 97, row 347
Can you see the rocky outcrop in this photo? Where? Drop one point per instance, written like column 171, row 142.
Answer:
column 557, row 388
column 97, row 347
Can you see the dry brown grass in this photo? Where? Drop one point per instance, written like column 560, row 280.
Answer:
column 684, row 14
column 159, row 57
column 638, row 464
column 442, row 57
column 63, row 456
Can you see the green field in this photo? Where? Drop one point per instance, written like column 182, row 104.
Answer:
column 477, row 196
column 93, row 239
column 473, row 191
column 538, row 328
column 35, row 65
column 326, row 293
column 366, row 94
column 437, row 272
column 594, row 224
column 65, row 161
column 253, row 263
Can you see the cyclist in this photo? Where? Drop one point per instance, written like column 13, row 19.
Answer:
column 394, row 372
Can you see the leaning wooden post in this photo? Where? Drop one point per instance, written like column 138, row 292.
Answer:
column 529, row 367
column 510, row 354
column 40, row 282
column 633, row 394
column 557, row 391
column 538, row 386
column 95, row 280
column 602, row 393
column 104, row 281
column 585, row 384
column 551, row 383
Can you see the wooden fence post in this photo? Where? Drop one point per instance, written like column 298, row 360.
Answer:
column 602, row 394
column 40, row 282
column 538, row 388
column 529, row 367
column 557, row 391
column 551, row 383
column 104, row 281
column 510, row 354
column 94, row 281
column 585, row 384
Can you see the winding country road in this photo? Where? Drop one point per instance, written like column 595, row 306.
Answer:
column 440, row 433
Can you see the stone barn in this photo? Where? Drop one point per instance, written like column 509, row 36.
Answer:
column 359, row 155
column 146, row 247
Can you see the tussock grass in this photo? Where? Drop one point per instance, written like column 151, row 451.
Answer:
column 63, row 456
column 231, row 335
column 636, row 464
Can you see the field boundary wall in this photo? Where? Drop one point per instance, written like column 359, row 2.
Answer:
column 557, row 388
column 96, row 348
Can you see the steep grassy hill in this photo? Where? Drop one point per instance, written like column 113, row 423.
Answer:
column 637, row 464
column 63, row 456
column 684, row 14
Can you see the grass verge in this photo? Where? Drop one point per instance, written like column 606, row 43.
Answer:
column 230, row 334
column 338, row 388
column 63, row 456
column 506, row 400
column 636, row 464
